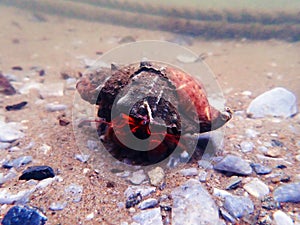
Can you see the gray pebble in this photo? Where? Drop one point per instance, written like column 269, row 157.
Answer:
column 227, row 216
column 246, row 146
column 205, row 164
column 143, row 190
column 234, row 164
column 22, row 197
column 4, row 145
column 260, row 169
column 251, row 133
column 12, row 173
column 202, row 176
column 192, row 204
column 276, row 102
column 137, row 177
column 148, row 203
column 288, row 193
column 82, row 157
column 74, row 191
column 189, row 172
column 53, row 107
column 9, row 132
column 281, row 218
column 57, row 206
column 149, row 217
column 238, row 206
column 92, row 145
column 18, row 162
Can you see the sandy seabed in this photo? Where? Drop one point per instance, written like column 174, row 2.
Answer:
column 56, row 44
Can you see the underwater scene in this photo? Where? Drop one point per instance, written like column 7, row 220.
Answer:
column 131, row 112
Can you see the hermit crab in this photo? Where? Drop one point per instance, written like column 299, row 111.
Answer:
column 145, row 110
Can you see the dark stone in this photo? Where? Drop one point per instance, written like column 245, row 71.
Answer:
column 133, row 200
column 17, row 68
column 281, row 166
column 277, row 143
column 24, row 215
column 37, row 173
column 5, row 86
column 17, row 106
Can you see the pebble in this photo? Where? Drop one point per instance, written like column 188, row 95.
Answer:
column 233, row 182
column 238, row 206
column 149, row 217
column 221, row 193
column 37, row 173
column 74, row 191
column 247, row 93
column 251, row 133
column 5, row 86
column 143, row 190
column 187, row 58
column 18, row 162
column 137, row 177
column 227, row 216
column 90, row 216
column 204, row 164
column 92, row 145
column 23, row 215
column 26, row 88
column 53, row 107
column 12, row 173
column 263, row 149
column 148, row 203
column 192, row 204
column 277, row 102
column 17, row 106
column 45, row 148
column 257, row 188
column 44, row 183
column 189, row 172
column 9, row 132
column 22, row 197
column 202, row 176
column 297, row 158
column 273, row 152
column 287, row 193
column 156, row 176
column 4, row 145
column 281, row 218
column 234, row 164
column 276, row 143
column 133, row 200
column 52, row 90
column 260, row 169
column 82, row 157
column 246, row 146
column 57, row 206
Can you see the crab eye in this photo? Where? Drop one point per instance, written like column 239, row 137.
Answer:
column 144, row 122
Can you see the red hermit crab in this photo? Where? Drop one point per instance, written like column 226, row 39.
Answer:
column 144, row 109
